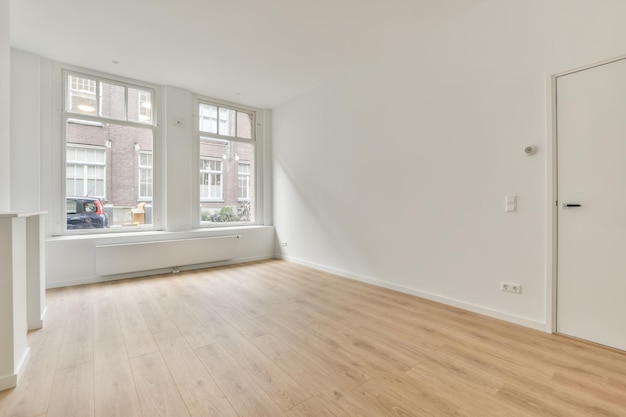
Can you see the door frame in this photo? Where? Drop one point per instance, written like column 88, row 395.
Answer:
column 552, row 190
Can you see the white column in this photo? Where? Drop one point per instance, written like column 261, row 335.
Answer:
column 22, row 289
column 35, row 271
column 13, row 327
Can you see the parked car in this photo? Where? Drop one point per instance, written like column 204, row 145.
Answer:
column 85, row 213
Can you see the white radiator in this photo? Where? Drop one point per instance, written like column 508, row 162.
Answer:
column 146, row 256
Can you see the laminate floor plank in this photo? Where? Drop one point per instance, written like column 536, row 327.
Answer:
column 247, row 326
column 312, row 408
column 106, row 323
column 198, row 389
column 137, row 335
column 248, row 399
column 157, row 391
column 77, row 344
column 311, row 371
column 115, row 391
column 73, row 392
column 276, row 383
column 154, row 315
column 413, row 397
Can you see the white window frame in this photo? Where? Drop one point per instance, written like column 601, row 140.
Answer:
column 77, row 117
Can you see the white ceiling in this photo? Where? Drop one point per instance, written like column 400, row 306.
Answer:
column 257, row 52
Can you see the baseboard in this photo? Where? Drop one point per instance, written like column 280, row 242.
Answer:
column 99, row 278
column 522, row 321
column 11, row 381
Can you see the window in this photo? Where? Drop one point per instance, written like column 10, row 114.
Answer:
column 85, row 171
column 145, row 176
column 210, row 179
column 227, row 155
column 81, row 95
column 145, row 107
column 109, row 132
column 244, row 181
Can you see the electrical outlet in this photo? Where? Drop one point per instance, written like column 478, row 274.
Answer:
column 283, row 244
column 511, row 287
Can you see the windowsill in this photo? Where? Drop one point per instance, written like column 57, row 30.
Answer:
column 153, row 235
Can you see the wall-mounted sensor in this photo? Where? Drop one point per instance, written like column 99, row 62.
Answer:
column 530, row 150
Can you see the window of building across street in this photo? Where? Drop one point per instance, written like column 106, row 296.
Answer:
column 227, row 164
column 109, row 133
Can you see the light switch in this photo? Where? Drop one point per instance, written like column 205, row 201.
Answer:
column 511, row 203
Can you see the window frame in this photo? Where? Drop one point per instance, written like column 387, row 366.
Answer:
column 67, row 116
column 256, row 140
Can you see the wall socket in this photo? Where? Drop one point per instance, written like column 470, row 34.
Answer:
column 283, row 244
column 511, row 287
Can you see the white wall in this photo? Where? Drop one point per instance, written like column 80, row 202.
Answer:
column 5, row 142
column 36, row 137
column 397, row 172
column 25, row 99
column 179, row 146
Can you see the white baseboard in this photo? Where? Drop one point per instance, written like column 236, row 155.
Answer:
column 512, row 318
column 100, row 278
column 11, row 381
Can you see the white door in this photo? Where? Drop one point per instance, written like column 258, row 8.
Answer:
column 591, row 149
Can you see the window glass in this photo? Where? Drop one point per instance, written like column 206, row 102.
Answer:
column 208, row 118
column 81, row 95
column 112, row 101
column 139, row 106
column 244, row 189
column 244, row 125
column 112, row 163
column 71, row 206
column 85, row 171
column 145, row 176
column 227, row 124
column 210, row 179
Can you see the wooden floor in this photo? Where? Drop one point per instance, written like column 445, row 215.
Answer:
column 278, row 339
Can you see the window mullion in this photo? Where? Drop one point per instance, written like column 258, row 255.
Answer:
column 126, row 106
column 98, row 99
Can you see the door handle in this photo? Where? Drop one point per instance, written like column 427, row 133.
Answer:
column 570, row 205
